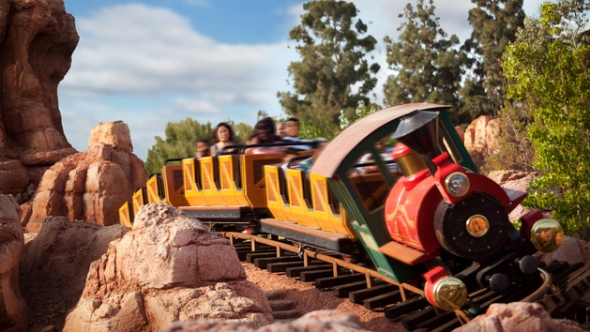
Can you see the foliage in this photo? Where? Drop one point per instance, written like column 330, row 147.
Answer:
column 427, row 67
column 179, row 142
column 512, row 149
column 242, row 131
column 333, row 74
column 549, row 75
column 494, row 23
column 180, row 139
column 361, row 111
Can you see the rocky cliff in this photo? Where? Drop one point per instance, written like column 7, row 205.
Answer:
column 37, row 39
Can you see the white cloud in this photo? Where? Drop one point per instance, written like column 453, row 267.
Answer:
column 173, row 72
column 138, row 56
column 195, row 106
column 197, row 3
column 147, row 66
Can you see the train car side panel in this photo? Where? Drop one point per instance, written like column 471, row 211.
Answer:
column 276, row 192
column 155, row 188
column 299, row 198
column 230, row 180
column 174, row 186
column 253, row 176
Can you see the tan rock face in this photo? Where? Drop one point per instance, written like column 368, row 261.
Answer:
column 38, row 39
column 321, row 320
column 168, row 268
column 476, row 139
column 115, row 134
column 514, row 180
column 12, row 304
column 518, row 316
column 91, row 185
column 55, row 263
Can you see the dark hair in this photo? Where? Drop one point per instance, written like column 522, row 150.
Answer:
column 266, row 124
column 203, row 140
column 292, row 119
column 215, row 138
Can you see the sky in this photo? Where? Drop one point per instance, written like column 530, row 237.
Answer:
column 150, row 62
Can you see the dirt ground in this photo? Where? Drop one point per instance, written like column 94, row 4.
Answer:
column 308, row 298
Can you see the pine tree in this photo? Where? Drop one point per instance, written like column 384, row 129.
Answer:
column 333, row 74
column 494, row 23
column 428, row 68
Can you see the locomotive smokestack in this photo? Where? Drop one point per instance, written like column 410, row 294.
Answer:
column 419, row 131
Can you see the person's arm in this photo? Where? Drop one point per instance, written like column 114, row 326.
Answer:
column 214, row 150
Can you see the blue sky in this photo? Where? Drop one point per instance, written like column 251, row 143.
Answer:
column 150, row 62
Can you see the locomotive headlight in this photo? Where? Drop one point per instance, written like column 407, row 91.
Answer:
column 547, row 235
column 449, row 293
column 457, row 184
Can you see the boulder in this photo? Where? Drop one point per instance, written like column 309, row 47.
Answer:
column 90, row 185
column 12, row 304
column 169, row 267
column 319, row 321
column 514, row 180
column 55, row 263
column 518, row 316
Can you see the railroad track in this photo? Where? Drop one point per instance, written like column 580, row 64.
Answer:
column 558, row 288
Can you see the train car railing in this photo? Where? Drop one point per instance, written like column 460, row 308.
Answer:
column 210, row 182
column 191, row 176
column 300, row 198
column 139, row 198
column 328, row 212
column 126, row 214
column 276, row 193
column 155, row 188
column 230, row 180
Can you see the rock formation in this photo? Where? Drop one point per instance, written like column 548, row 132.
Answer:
column 514, row 180
column 518, row 316
column 321, row 320
column 168, row 268
column 89, row 185
column 38, row 39
column 55, row 263
column 479, row 138
column 12, row 304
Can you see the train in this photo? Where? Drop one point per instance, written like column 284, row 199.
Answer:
column 433, row 220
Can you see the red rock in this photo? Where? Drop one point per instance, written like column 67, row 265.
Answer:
column 90, row 185
column 13, row 313
column 518, row 316
column 168, row 268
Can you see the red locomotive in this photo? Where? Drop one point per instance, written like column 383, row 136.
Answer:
column 458, row 219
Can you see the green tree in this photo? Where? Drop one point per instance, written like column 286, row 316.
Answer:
column 549, row 73
column 333, row 74
column 427, row 66
column 361, row 111
column 242, row 132
column 494, row 23
column 178, row 142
